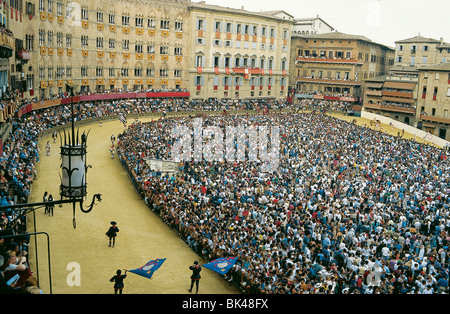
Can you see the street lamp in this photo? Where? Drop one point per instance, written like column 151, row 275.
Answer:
column 73, row 188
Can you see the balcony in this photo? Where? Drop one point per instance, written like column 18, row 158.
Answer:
column 374, row 93
column 329, row 60
column 391, row 108
column 7, row 44
column 398, row 94
column 328, row 81
column 244, row 70
column 435, row 119
column 23, row 55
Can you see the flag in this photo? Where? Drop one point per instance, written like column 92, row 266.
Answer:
column 221, row 265
column 148, row 269
column 122, row 119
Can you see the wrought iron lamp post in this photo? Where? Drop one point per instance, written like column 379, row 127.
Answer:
column 73, row 188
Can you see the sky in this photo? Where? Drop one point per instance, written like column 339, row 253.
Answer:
column 382, row 21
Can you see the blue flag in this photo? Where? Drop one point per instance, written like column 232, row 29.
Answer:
column 221, row 265
column 148, row 269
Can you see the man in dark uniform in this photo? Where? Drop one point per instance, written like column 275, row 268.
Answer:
column 195, row 277
column 118, row 281
column 112, row 233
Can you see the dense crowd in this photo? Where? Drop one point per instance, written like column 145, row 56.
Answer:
column 349, row 210
column 316, row 226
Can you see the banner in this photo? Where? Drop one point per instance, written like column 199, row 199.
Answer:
column 221, row 265
column 148, row 269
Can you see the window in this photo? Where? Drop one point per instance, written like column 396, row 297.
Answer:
column 124, row 72
column 112, row 43
column 425, row 48
column 138, row 48
column 238, row 28
column 125, row 20
column 424, row 59
column 59, row 39
column 29, row 42
column 126, row 44
column 272, row 32
column 199, row 61
column 150, row 72
column 150, row 49
column 68, row 41
column 178, row 51
column 100, row 42
column 41, row 73
column 100, row 17
column 50, row 6
column 163, row 72
column 263, row 31
column 99, row 72
column 179, row 26
column 84, row 41
column 59, row 8
column 165, row 24
column 111, row 72
column 50, row 39
column 200, row 41
column 218, row 26
column 400, row 48
column 200, row 25
column 84, row 71
column 59, row 73
column 228, row 27
column 69, row 72
column 177, row 73
column 255, row 30
column 112, row 19
column 41, row 5
column 164, row 50
column 138, row 72
column 84, row 14
column 151, row 23
column 139, row 21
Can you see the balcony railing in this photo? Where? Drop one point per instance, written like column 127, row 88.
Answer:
column 329, row 60
column 328, row 81
column 391, row 108
column 7, row 40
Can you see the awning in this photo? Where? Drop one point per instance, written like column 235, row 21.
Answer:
column 400, row 85
column 397, row 99
column 374, row 85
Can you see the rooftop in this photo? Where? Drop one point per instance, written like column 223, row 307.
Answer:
column 267, row 14
column 418, row 39
column 341, row 36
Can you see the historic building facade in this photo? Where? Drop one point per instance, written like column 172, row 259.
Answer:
column 416, row 91
column 337, row 63
column 105, row 45
column 238, row 54
column 212, row 51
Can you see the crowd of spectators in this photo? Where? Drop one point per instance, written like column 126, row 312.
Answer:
column 349, row 210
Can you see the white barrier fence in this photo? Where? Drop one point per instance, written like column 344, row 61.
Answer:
column 408, row 128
